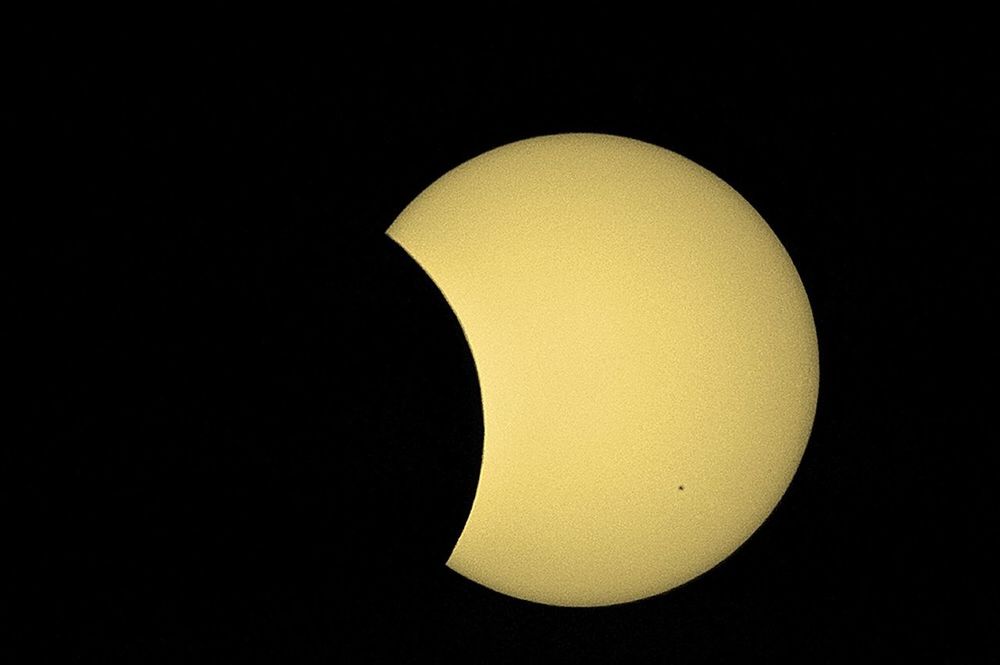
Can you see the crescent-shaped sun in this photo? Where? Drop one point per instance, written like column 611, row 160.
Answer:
column 647, row 357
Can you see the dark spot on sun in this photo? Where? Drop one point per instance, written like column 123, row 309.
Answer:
column 681, row 487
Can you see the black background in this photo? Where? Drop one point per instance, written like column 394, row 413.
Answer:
column 248, row 427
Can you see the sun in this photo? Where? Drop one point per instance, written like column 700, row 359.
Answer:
column 647, row 357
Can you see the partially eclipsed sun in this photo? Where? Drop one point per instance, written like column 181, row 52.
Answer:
column 647, row 359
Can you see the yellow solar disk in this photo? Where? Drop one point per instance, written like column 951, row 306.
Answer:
column 647, row 359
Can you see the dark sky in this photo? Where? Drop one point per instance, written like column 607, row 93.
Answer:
column 232, row 390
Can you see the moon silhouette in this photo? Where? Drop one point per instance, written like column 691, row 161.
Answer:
column 647, row 358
